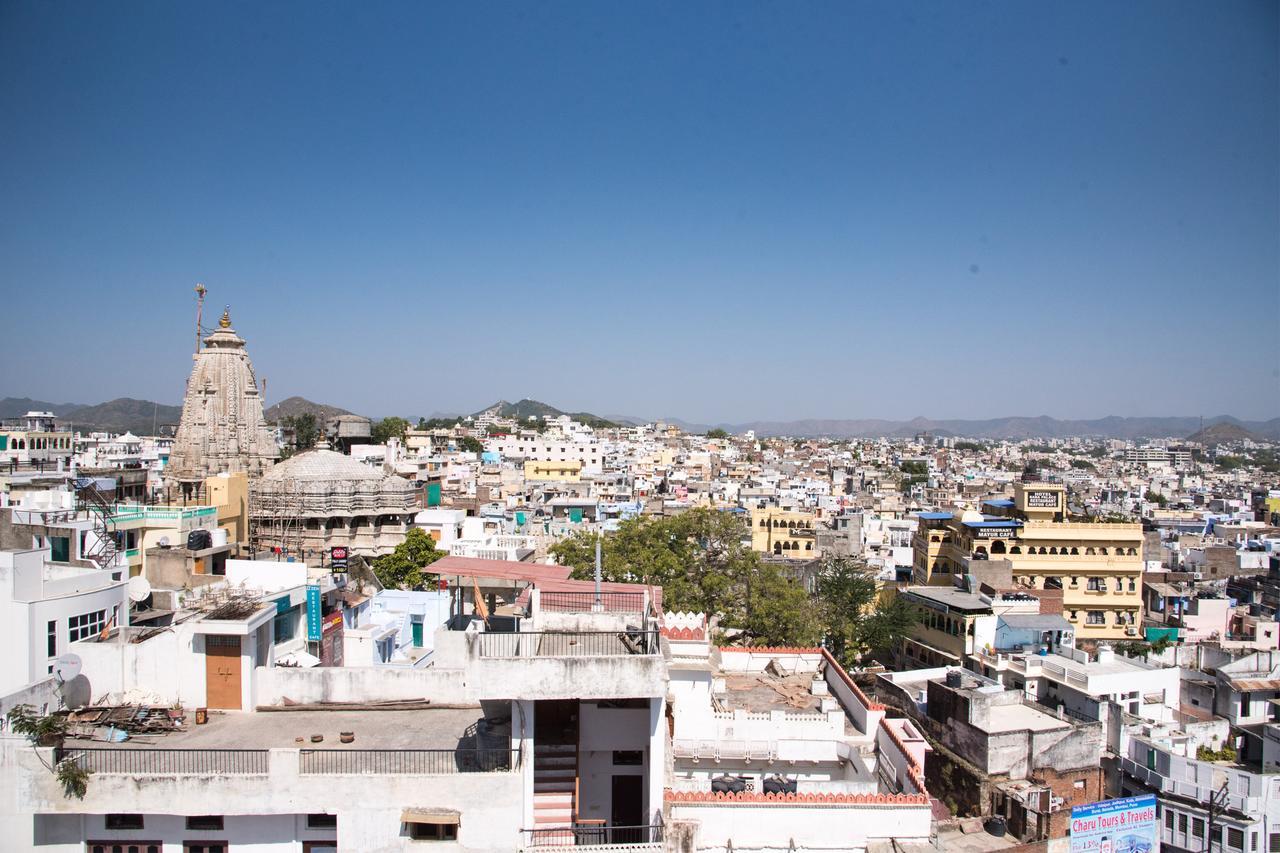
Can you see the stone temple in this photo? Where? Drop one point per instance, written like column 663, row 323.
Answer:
column 222, row 426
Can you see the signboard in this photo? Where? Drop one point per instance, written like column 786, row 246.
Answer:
column 338, row 558
column 995, row 532
column 1116, row 826
column 313, row 613
column 1044, row 500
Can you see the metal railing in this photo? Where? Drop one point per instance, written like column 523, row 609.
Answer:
column 407, row 762
column 585, row 602
column 567, row 643
column 581, row 835
column 169, row 762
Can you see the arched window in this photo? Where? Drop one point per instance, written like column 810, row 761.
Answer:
column 1089, row 552
column 1053, row 550
column 1103, row 551
column 777, row 547
column 997, row 547
column 808, row 546
column 1016, row 549
column 1043, row 550
column 1075, row 551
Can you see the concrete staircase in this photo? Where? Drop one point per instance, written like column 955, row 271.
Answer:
column 555, row 783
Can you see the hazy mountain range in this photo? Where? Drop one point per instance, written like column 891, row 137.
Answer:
column 139, row 416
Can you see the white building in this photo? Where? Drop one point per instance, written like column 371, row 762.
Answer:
column 45, row 607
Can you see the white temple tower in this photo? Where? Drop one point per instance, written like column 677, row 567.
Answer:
column 222, row 426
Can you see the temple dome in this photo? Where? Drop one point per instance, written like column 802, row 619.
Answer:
column 322, row 465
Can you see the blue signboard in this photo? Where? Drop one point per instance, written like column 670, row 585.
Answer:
column 1116, row 826
column 313, row 613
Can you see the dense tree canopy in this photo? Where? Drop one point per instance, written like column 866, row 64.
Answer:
column 855, row 619
column 702, row 562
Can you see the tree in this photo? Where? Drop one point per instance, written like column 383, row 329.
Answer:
column 1155, row 498
column 855, row 621
column 703, row 566
column 50, row 730
column 387, row 429
column 402, row 568
column 305, row 431
column 717, row 433
column 468, row 444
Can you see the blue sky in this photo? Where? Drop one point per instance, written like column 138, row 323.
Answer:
column 719, row 211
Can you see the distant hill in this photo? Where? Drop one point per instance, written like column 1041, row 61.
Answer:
column 1223, row 433
column 16, row 407
column 125, row 414
column 526, row 408
column 295, row 406
column 1010, row 428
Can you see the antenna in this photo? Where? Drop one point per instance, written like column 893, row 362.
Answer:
column 201, row 290
column 66, row 667
column 139, row 588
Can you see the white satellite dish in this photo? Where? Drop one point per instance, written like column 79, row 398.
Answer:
column 163, row 541
column 66, row 667
column 139, row 588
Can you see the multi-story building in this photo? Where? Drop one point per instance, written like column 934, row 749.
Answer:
column 35, row 439
column 784, row 533
column 1097, row 566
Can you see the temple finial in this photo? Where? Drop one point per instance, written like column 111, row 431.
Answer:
column 225, row 322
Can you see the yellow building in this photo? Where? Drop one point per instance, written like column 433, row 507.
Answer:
column 139, row 527
column 561, row 471
column 1097, row 565
column 783, row 533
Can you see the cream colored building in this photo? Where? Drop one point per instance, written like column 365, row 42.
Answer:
column 562, row 471
column 784, row 533
column 1097, row 565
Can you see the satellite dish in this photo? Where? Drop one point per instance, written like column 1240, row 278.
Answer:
column 139, row 588
column 66, row 667
column 163, row 541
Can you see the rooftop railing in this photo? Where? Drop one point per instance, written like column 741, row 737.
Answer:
column 412, row 762
column 169, row 762
column 567, row 644
column 592, row 835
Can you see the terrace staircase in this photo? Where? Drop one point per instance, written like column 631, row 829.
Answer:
column 555, row 790
column 102, row 549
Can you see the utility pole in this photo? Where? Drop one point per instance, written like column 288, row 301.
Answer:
column 1217, row 803
column 599, row 605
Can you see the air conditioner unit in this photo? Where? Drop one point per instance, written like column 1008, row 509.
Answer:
column 1132, row 632
column 1197, row 576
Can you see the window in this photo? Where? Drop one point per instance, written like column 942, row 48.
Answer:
column 204, row 847
column 1168, row 815
column 1096, row 585
column 60, row 549
column 1182, row 823
column 124, row 846
column 51, row 643
column 628, row 757
column 124, row 821
column 86, row 625
column 1235, row 838
column 1096, row 617
column 322, row 821
column 433, row 831
column 1197, row 827
column 205, row 823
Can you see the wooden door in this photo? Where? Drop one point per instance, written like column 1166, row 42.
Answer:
column 222, row 672
column 626, row 809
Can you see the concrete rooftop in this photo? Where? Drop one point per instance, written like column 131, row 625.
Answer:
column 764, row 693
column 436, row 728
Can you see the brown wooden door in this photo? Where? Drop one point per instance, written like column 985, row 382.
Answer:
column 222, row 672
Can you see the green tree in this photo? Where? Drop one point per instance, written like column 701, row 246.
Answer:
column 854, row 621
column 717, row 433
column 468, row 444
column 1155, row 498
column 387, row 429
column 403, row 567
column 305, row 431
column 702, row 562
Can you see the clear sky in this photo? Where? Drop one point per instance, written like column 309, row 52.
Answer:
column 717, row 211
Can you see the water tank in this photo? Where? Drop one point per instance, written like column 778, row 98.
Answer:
column 1106, row 654
column 779, row 785
column 954, row 678
column 728, row 784
column 995, row 825
column 198, row 540
column 219, row 537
